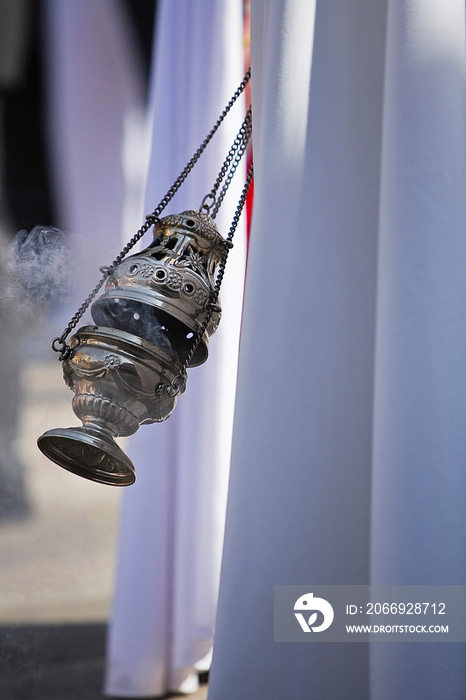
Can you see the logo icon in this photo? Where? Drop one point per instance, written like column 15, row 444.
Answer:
column 308, row 603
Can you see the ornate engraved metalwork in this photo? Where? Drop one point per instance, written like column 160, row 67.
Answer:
column 161, row 294
column 129, row 369
column 153, row 320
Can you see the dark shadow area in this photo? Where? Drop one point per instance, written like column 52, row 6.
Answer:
column 52, row 662
column 55, row 662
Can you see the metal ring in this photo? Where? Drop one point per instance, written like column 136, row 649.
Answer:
column 173, row 389
column 57, row 341
column 59, row 345
column 152, row 219
column 207, row 207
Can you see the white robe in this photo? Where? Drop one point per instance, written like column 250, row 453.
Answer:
column 172, row 519
column 349, row 446
column 95, row 102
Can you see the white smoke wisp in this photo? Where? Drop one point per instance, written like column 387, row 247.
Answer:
column 38, row 267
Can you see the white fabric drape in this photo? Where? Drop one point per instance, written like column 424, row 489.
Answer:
column 173, row 517
column 95, row 105
column 349, row 447
column 419, row 456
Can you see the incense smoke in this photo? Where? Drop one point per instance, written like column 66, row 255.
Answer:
column 39, row 265
column 146, row 322
column 40, row 273
column 133, row 317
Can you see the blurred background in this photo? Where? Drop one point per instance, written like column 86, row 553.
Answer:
column 58, row 533
column 75, row 140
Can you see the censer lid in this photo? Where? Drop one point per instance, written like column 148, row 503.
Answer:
column 163, row 293
column 196, row 225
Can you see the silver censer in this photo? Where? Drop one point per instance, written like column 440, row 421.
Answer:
column 153, row 320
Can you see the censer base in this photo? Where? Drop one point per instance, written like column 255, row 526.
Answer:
column 94, row 457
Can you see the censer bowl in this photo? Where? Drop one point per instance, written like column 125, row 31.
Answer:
column 120, row 382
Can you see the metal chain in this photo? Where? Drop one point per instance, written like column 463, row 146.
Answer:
column 239, row 143
column 179, row 380
column 237, row 159
column 59, row 344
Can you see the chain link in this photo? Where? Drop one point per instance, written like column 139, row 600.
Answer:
column 59, row 343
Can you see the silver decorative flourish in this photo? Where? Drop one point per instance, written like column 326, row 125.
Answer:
column 112, row 361
column 174, row 281
column 146, row 271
